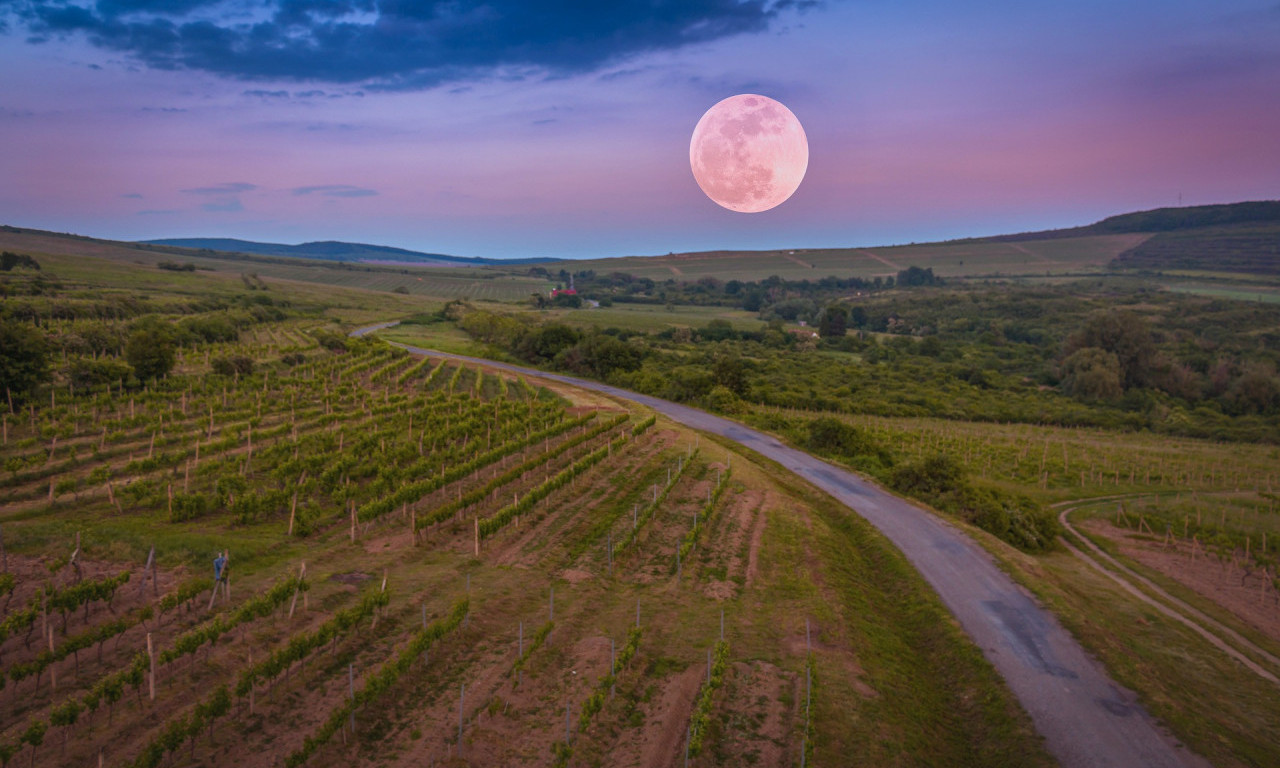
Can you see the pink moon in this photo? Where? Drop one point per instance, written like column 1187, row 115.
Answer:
column 749, row 153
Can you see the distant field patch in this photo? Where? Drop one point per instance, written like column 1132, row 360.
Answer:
column 973, row 258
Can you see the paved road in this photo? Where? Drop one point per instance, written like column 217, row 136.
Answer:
column 1086, row 719
column 1215, row 633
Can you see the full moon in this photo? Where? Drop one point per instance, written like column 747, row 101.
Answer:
column 749, row 153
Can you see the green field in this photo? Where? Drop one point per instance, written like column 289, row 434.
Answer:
column 960, row 259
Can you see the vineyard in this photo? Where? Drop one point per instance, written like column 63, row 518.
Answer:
column 429, row 562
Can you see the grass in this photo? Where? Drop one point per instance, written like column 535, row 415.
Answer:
column 954, row 259
column 900, row 683
column 1221, row 710
column 654, row 317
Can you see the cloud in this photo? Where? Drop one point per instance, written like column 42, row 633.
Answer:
column 229, row 205
column 336, row 190
column 132, row 196
column 231, row 188
column 157, row 212
column 396, row 44
column 258, row 92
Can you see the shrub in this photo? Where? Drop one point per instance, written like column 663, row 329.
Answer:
column 232, row 365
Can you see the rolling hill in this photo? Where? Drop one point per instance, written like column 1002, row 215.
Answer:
column 332, row 250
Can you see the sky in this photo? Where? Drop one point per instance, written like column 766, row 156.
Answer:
column 517, row 128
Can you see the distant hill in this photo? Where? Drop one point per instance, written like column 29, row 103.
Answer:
column 332, row 250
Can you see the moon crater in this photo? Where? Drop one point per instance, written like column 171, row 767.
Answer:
column 749, row 153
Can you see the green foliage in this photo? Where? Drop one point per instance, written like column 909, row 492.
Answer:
column 233, row 365
column 832, row 437
column 1092, row 373
column 535, row 643
column 379, row 682
column 301, row 645
column 85, row 373
column 1126, row 336
column 703, row 517
column 700, row 720
column 475, row 495
column 330, row 340
column 915, row 276
column 255, row 607
column 24, row 359
column 833, row 322
column 942, row 482
column 643, row 516
column 186, row 592
column 185, row 728
column 499, row 520
column 10, row 261
column 150, row 350
column 63, row 600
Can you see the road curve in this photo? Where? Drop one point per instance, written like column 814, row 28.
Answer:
column 1087, row 721
column 1214, row 632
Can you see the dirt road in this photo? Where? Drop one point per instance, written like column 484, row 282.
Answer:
column 1085, row 718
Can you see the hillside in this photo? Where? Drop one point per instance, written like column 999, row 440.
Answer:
column 331, row 250
column 1236, row 237
column 498, row 573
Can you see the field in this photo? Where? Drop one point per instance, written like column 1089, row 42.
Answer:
column 519, row 530
column 483, row 284
column 965, row 258
column 1193, row 527
column 436, row 563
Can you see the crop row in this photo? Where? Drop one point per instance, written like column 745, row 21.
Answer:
column 381, row 681
column 500, row 519
column 699, row 520
column 64, row 600
column 701, row 717
column 652, row 507
column 477, row 494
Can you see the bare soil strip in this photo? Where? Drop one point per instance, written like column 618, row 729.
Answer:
column 1203, row 625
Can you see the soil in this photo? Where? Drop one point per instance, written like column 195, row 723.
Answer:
column 1222, row 581
column 758, row 725
column 659, row 743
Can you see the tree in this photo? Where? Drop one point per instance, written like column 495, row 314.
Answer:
column 912, row 276
column 1092, row 374
column 730, row 372
column 24, row 358
column 1125, row 335
column 834, row 322
column 150, row 351
column 1256, row 390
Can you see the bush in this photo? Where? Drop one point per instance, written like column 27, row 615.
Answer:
column 87, row 373
column 150, row 350
column 943, row 482
column 330, row 340
column 24, row 358
column 232, row 365
column 833, row 437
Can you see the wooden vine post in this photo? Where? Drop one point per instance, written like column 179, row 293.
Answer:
column 151, row 672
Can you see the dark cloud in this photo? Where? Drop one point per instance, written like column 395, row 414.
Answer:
column 230, row 205
column 392, row 44
column 258, row 92
column 336, row 190
column 132, row 196
column 230, row 188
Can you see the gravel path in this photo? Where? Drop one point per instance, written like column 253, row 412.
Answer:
column 1085, row 718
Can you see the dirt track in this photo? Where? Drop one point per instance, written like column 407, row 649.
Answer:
column 1084, row 717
